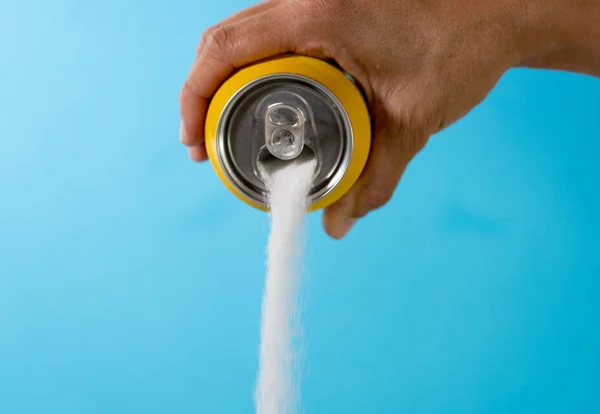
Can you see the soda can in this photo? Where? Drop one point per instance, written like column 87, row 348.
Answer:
column 284, row 110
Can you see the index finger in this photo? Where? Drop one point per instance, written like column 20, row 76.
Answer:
column 228, row 47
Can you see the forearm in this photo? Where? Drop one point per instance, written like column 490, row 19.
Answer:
column 563, row 35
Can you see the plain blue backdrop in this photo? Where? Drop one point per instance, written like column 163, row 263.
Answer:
column 131, row 280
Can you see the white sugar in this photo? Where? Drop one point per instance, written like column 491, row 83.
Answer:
column 277, row 384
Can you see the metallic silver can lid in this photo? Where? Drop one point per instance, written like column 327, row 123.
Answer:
column 278, row 119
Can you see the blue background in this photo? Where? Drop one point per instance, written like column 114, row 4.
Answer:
column 131, row 280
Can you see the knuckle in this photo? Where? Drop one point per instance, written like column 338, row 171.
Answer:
column 218, row 41
column 402, row 137
column 376, row 197
column 409, row 142
column 189, row 91
column 204, row 39
column 409, row 134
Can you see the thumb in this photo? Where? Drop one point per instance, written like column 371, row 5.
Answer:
column 392, row 149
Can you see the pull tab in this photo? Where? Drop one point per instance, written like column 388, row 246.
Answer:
column 284, row 131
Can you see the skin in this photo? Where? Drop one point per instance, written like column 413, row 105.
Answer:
column 423, row 64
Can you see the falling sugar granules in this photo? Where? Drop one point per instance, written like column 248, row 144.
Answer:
column 277, row 384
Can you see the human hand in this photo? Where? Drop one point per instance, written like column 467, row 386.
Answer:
column 422, row 64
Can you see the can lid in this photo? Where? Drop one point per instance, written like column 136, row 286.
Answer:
column 280, row 118
column 284, row 110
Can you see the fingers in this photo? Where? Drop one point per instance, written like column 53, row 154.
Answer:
column 198, row 153
column 391, row 151
column 196, row 108
column 256, row 9
column 227, row 47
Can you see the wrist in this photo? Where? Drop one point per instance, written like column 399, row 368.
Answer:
column 561, row 35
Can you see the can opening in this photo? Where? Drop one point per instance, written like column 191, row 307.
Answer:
column 268, row 163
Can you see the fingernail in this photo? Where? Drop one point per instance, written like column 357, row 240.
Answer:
column 182, row 134
column 344, row 228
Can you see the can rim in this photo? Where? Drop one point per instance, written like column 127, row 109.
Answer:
column 228, row 165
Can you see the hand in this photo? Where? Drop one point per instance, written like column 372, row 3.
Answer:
column 423, row 64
